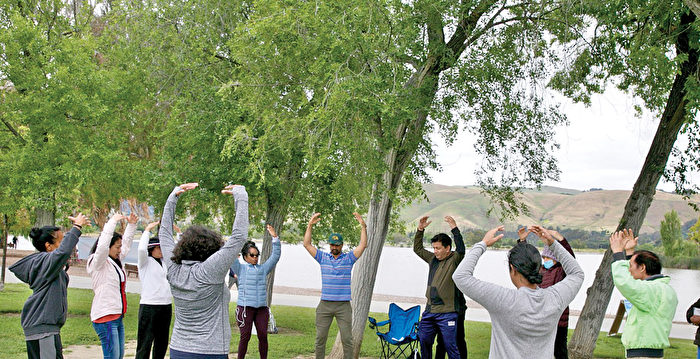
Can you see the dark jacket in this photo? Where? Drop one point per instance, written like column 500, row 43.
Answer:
column 45, row 310
column 442, row 294
column 555, row 275
column 689, row 314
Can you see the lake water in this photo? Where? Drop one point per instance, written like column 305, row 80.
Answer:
column 402, row 273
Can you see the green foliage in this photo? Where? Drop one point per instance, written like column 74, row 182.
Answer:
column 671, row 236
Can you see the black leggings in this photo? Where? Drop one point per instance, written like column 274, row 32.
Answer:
column 154, row 328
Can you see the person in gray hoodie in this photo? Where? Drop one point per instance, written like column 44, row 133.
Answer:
column 44, row 312
column 523, row 320
column 197, row 269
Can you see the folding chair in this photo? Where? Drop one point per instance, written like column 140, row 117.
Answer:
column 401, row 340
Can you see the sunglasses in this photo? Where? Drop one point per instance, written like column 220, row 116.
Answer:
column 254, row 255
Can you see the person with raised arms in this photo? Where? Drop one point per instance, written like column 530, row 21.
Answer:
column 197, row 268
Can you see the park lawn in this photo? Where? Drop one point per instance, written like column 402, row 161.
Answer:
column 296, row 337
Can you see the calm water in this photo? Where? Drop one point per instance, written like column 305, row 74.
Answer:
column 402, row 273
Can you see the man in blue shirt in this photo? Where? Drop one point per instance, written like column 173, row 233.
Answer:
column 336, row 269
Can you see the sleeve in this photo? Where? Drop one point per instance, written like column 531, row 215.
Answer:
column 568, row 287
column 235, row 267
column 275, row 256
column 214, row 269
column 491, row 296
column 127, row 240
column 59, row 257
column 99, row 258
column 143, row 249
column 165, row 233
column 564, row 243
column 689, row 313
column 418, row 249
column 459, row 242
column 319, row 255
column 636, row 291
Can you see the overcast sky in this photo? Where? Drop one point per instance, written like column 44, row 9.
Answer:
column 604, row 146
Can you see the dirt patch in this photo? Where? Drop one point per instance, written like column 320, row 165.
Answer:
column 95, row 351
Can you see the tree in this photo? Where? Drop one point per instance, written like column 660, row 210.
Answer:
column 671, row 236
column 630, row 47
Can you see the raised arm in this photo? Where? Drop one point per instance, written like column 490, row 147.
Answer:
column 276, row 250
column 569, row 286
column 165, row 234
column 143, row 244
column 418, row 248
column 632, row 289
column 307, row 236
column 59, row 257
column 491, row 296
column 564, row 243
column 214, row 268
column 99, row 258
column 128, row 236
column 363, row 236
column 456, row 235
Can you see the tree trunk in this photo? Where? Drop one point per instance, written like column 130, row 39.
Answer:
column 589, row 324
column 45, row 217
column 694, row 6
column 4, row 251
column 276, row 213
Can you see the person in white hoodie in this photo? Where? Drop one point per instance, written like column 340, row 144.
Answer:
column 156, row 309
column 109, row 284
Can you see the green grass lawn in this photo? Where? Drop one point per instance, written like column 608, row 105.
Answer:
column 296, row 337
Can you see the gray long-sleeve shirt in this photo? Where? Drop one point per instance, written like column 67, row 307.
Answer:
column 200, row 295
column 524, row 320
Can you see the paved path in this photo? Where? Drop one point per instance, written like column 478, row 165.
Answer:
column 300, row 297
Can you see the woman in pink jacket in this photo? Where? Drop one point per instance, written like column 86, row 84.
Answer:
column 109, row 284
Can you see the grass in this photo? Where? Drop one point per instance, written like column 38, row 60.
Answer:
column 296, row 337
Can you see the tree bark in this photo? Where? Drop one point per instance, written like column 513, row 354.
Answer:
column 276, row 213
column 45, row 217
column 4, row 251
column 589, row 324
column 694, row 6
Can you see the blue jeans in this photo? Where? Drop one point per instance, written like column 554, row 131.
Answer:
column 428, row 327
column 698, row 351
column 112, row 337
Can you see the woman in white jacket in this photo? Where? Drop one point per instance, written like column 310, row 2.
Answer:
column 109, row 284
column 155, row 311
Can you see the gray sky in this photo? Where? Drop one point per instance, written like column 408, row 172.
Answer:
column 604, row 146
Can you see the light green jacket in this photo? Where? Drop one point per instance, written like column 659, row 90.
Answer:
column 654, row 304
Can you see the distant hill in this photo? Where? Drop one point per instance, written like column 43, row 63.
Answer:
column 551, row 206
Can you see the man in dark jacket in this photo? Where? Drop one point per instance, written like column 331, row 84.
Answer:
column 553, row 273
column 44, row 312
column 445, row 301
column 693, row 317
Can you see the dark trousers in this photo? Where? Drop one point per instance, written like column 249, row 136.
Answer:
column 45, row 348
column 428, row 327
column 461, row 340
column 154, row 328
column 245, row 317
column 560, row 351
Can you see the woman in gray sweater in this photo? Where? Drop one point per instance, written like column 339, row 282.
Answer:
column 197, row 267
column 523, row 320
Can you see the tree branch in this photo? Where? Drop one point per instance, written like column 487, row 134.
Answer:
column 12, row 129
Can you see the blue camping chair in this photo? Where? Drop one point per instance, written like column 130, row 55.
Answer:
column 401, row 340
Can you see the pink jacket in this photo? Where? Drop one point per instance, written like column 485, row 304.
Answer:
column 106, row 275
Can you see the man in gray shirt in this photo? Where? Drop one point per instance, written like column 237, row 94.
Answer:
column 524, row 320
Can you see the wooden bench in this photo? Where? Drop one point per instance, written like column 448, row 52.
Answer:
column 131, row 269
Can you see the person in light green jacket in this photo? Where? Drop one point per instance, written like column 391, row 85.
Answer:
column 653, row 300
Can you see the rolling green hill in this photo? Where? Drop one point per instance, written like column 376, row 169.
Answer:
column 551, row 206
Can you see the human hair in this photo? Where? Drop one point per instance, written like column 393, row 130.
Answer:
column 151, row 248
column 41, row 236
column 442, row 238
column 197, row 244
column 525, row 258
column 247, row 247
column 115, row 237
column 651, row 261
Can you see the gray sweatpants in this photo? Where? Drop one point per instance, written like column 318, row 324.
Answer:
column 342, row 311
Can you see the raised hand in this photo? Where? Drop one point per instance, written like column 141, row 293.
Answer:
column 315, row 218
column 81, row 220
column 556, row 235
column 490, row 237
column 451, row 222
column 423, row 222
column 617, row 242
column 152, row 225
column 630, row 240
column 522, row 233
column 132, row 218
column 229, row 189
column 118, row 217
column 271, row 230
column 186, row 187
column 543, row 234
column 359, row 219
column 175, row 228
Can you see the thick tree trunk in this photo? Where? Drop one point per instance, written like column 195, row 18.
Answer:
column 694, row 6
column 45, row 217
column 589, row 324
column 276, row 213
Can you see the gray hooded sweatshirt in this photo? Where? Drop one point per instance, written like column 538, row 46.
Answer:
column 200, row 294
column 45, row 310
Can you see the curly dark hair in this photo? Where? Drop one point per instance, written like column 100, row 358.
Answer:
column 197, row 244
